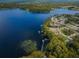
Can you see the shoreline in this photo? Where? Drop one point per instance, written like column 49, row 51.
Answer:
column 57, row 37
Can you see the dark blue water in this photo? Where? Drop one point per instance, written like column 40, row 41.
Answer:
column 17, row 25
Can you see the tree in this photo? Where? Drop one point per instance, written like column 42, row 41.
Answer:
column 29, row 46
column 36, row 54
column 57, row 46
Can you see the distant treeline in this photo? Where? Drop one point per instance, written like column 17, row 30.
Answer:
column 21, row 5
column 35, row 7
column 38, row 8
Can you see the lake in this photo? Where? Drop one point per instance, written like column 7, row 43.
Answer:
column 17, row 25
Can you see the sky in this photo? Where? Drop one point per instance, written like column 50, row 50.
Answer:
column 38, row 1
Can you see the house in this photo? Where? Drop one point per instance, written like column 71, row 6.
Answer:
column 56, row 22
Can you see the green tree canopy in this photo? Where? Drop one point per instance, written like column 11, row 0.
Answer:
column 29, row 46
column 36, row 54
